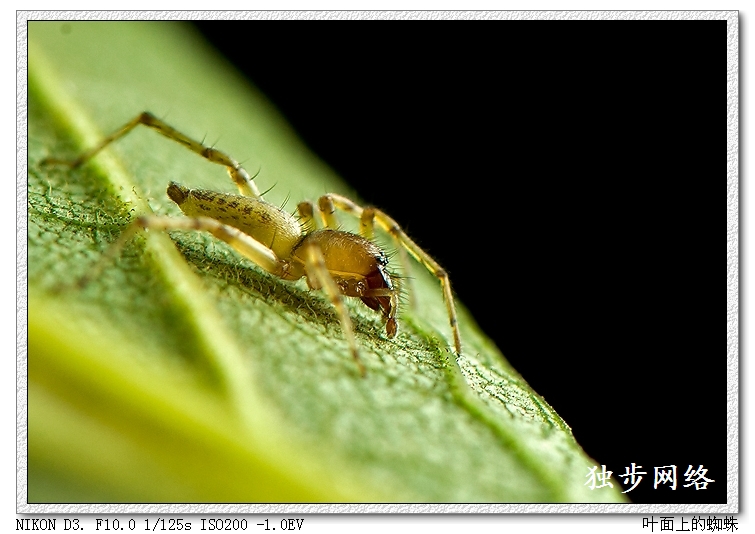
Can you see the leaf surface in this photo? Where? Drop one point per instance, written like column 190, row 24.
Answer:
column 184, row 373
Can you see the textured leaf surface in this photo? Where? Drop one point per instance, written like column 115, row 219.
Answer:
column 183, row 373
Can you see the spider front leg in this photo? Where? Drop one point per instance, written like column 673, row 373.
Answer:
column 318, row 277
column 247, row 246
column 238, row 174
column 367, row 219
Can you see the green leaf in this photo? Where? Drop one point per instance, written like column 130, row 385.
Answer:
column 184, row 373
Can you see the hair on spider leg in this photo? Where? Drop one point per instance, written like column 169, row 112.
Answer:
column 285, row 200
column 213, row 145
column 400, row 269
column 269, row 188
column 401, row 282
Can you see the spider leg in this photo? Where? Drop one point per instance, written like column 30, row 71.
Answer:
column 328, row 212
column 367, row 218
column 307, row 216
column 319, row 278
column 238, row 174
column 246, row 245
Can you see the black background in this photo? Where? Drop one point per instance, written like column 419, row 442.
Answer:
column 562, row 172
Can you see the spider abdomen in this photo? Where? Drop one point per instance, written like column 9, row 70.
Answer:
column 273, row 227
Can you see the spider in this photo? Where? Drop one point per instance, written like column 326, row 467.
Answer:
column 338, row 262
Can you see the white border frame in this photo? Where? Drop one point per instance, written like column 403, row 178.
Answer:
column 732, row 272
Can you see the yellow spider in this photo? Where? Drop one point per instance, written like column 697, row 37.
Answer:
column 338, row 262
